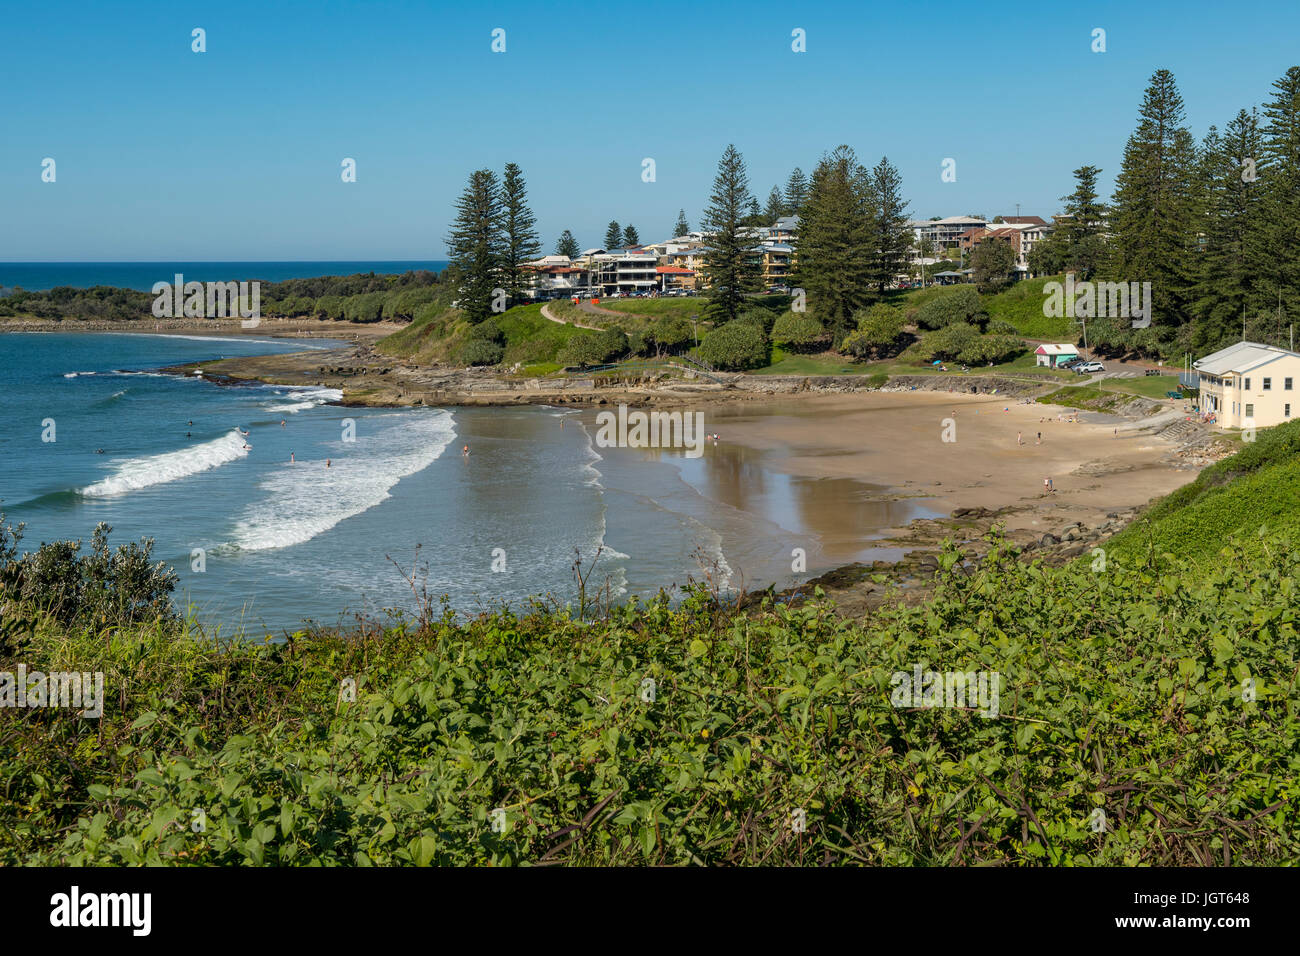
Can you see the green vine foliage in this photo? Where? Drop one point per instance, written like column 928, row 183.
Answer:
column 693, row 733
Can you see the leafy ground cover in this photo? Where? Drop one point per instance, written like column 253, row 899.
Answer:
column 693, row 733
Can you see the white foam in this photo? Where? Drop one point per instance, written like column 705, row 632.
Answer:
column 307, row 499
column 308, row 397
column 136, row 473
column 75, row 374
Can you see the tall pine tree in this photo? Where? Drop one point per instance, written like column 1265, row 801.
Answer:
column 730, row 266
column 613, row 235
column 682, row 227
column 775, row 207
column 1082, row 246
column 890, row 236
column 1231, row 227
column 1279, row 174
column 1154, row 211
column 567, row 246
column 836, row 240
column 521, row 243
column 476, row 244
column 796, row 191
column 631, row 237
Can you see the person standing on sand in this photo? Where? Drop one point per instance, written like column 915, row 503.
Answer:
column 1019, row 439
column 1040, row 439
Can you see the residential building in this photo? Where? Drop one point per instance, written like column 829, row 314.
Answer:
column 674, row 277
column 625, row 270
column 776, row 259
column 1249, row 385
column 943, row 233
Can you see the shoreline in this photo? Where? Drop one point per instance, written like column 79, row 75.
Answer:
column 813, row 428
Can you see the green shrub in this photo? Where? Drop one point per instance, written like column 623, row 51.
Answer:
column 991, row 348
column 798, row 331
column 947, row 342
column 878, row 331
column 481, row 352
column 104, row 587
column 487, row 331
column 671, row 334
column 589, row 347
column 736, row 345
column 958, row 305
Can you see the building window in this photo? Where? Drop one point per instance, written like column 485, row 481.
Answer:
column 1286, row 384
column 1286, row 411
column 1268, row 384
column 1248, row 385
column 1250, row 410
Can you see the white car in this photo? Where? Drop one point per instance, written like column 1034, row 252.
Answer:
column 1089, row 367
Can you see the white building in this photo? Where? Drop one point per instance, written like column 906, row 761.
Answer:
column 1249, row 385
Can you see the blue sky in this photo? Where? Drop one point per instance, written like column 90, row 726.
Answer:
column 234, row 154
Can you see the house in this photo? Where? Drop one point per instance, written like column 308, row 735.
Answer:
column 1053, row 356
column 1249, row 385
column 674, row 277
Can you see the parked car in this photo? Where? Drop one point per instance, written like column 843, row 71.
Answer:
column 1088, row 368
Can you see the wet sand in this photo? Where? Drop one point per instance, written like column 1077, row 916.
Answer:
column 894, row 442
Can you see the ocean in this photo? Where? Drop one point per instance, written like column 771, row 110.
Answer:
column 42, row 276
column 277, row 506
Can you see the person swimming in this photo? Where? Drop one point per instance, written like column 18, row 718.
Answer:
column 99, row 451
column 291, row 458
column 327, row 462
column 465, row 451
column 282, row 423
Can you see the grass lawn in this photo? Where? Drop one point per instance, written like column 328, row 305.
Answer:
column 785, row 363
column 1153, row 386
column 651, row 309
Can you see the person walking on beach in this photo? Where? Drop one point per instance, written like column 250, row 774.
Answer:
column 1047, row 486
column 1019, row 439
column 1040, row 439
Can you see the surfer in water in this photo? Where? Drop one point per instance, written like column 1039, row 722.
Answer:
column 282, row 423
column 291, row 458
column 465, row 452
column 327, row 462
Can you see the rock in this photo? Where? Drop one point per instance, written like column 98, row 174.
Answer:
column 1048, row 540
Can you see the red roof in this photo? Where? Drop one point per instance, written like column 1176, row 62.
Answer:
column 673, row 271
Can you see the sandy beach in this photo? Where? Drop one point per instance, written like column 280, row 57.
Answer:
column 1099, row 464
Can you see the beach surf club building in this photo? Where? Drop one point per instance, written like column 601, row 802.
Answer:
column 1054, row 355
column 1249, row 385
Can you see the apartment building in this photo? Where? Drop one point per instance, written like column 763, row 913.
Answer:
column 625, row 270
column 1249, row 385
column 944, row 233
